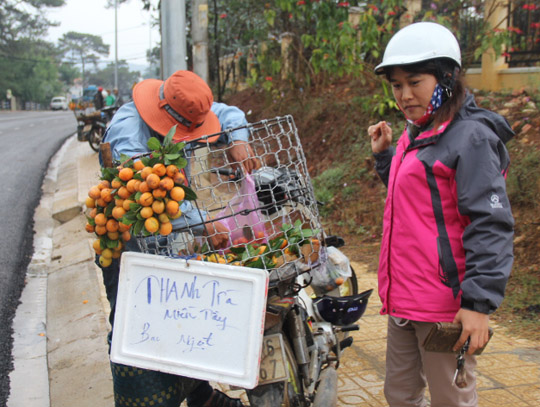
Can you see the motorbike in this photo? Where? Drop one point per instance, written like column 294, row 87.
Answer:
column 91, row 127
column 312, row 301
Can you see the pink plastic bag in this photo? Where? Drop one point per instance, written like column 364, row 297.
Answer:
column 244, row 227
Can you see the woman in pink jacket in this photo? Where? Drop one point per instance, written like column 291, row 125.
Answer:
column 446, row 251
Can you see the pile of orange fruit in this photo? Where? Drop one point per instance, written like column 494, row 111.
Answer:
column 133, row 199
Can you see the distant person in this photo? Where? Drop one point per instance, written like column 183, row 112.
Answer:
column 119, row 100
column 446, row 251
column 110, row 99
column 98, row 99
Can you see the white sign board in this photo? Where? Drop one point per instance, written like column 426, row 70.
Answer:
column 190, row 318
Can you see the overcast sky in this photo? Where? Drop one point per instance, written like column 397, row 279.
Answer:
column 91, row 17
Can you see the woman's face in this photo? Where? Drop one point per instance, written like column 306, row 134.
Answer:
column 412, row 91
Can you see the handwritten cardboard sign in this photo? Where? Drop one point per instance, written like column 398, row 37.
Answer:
column 190, row 318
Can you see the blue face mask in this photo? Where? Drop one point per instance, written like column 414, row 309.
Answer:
column 434, row 104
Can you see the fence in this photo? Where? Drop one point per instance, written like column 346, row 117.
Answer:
column 524, row 23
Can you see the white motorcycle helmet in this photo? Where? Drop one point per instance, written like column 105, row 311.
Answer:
column 420, row 42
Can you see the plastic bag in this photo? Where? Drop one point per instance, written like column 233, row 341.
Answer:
column 244, row 227
column 325, row 278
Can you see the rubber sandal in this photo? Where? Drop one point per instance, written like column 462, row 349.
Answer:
column 219, row 399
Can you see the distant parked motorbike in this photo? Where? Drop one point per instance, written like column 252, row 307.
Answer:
column 91, row 127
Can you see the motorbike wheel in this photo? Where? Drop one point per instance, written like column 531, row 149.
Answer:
column 95, row 137
column 285, row 394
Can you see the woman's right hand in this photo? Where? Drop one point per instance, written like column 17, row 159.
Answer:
column 381, row 136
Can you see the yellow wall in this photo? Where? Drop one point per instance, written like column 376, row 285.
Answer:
column 504, row 79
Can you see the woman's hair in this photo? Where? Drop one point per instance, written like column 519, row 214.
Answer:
column 449, row 76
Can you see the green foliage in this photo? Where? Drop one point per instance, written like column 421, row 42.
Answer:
column 523, row 181
column 82, row 48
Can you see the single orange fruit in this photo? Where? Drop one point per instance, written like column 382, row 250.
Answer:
column 126, row 236
column 116, row 183
column 146, row 199
column 113, row 235
column 147, row 212
column 153, row 181
column 159, row 193
column 138, row 165
column 90, row 203
column 132, row 185
column 105, row 261
column 126, row 204
column 122, row 227
column 177, row 193
column 101, row 202
column 172, row 170
column 151, row 225
column 125, row 174
column 100, row 219
column 172, row 207
column 104, row 184
column 158, row 206
column 101, row 230
column 112, row 225
column 145, row 172
column 163, row 218
column 93, row 213
column 143, row 187
column 94, row 192
column 89, row 228
column 96, row 244
column 116, row 254
column 118, row 202
column 179, row 178
column 123, row 193
column 159, row 169
column 118, row 212
column 339, row 280
column 166, row 183
column 165, row 228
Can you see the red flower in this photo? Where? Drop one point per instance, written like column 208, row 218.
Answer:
column 268, row 78
column 373, row 7
column 290, row 16
column 340, row 25
column 343, row 4
column 392, row 13
column 535, row 25
column 300, row 3
column 505, row 54
column 223, row 15
column 528, row 7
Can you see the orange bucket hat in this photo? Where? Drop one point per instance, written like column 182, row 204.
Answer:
column 184, row 100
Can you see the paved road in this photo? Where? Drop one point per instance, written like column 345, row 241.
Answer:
column 28, row 140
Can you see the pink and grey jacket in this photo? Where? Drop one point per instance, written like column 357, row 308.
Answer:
column 448, row 225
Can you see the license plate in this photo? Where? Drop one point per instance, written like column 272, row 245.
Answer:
column 87, row 128
column 273, row 367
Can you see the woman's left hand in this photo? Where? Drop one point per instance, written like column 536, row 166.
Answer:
column 240, row 152
column 475, row 326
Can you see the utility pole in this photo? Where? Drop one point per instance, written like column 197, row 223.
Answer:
column 116, row 44
column 173, row 37
column 199, row 34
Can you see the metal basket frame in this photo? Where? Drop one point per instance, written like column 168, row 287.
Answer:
column 276, row 144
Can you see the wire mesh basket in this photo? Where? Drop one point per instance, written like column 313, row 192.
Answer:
column 271, row 214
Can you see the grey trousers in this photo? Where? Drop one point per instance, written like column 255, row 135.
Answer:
column 409, row 369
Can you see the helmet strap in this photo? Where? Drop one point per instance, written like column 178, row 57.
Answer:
column 447, row 79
